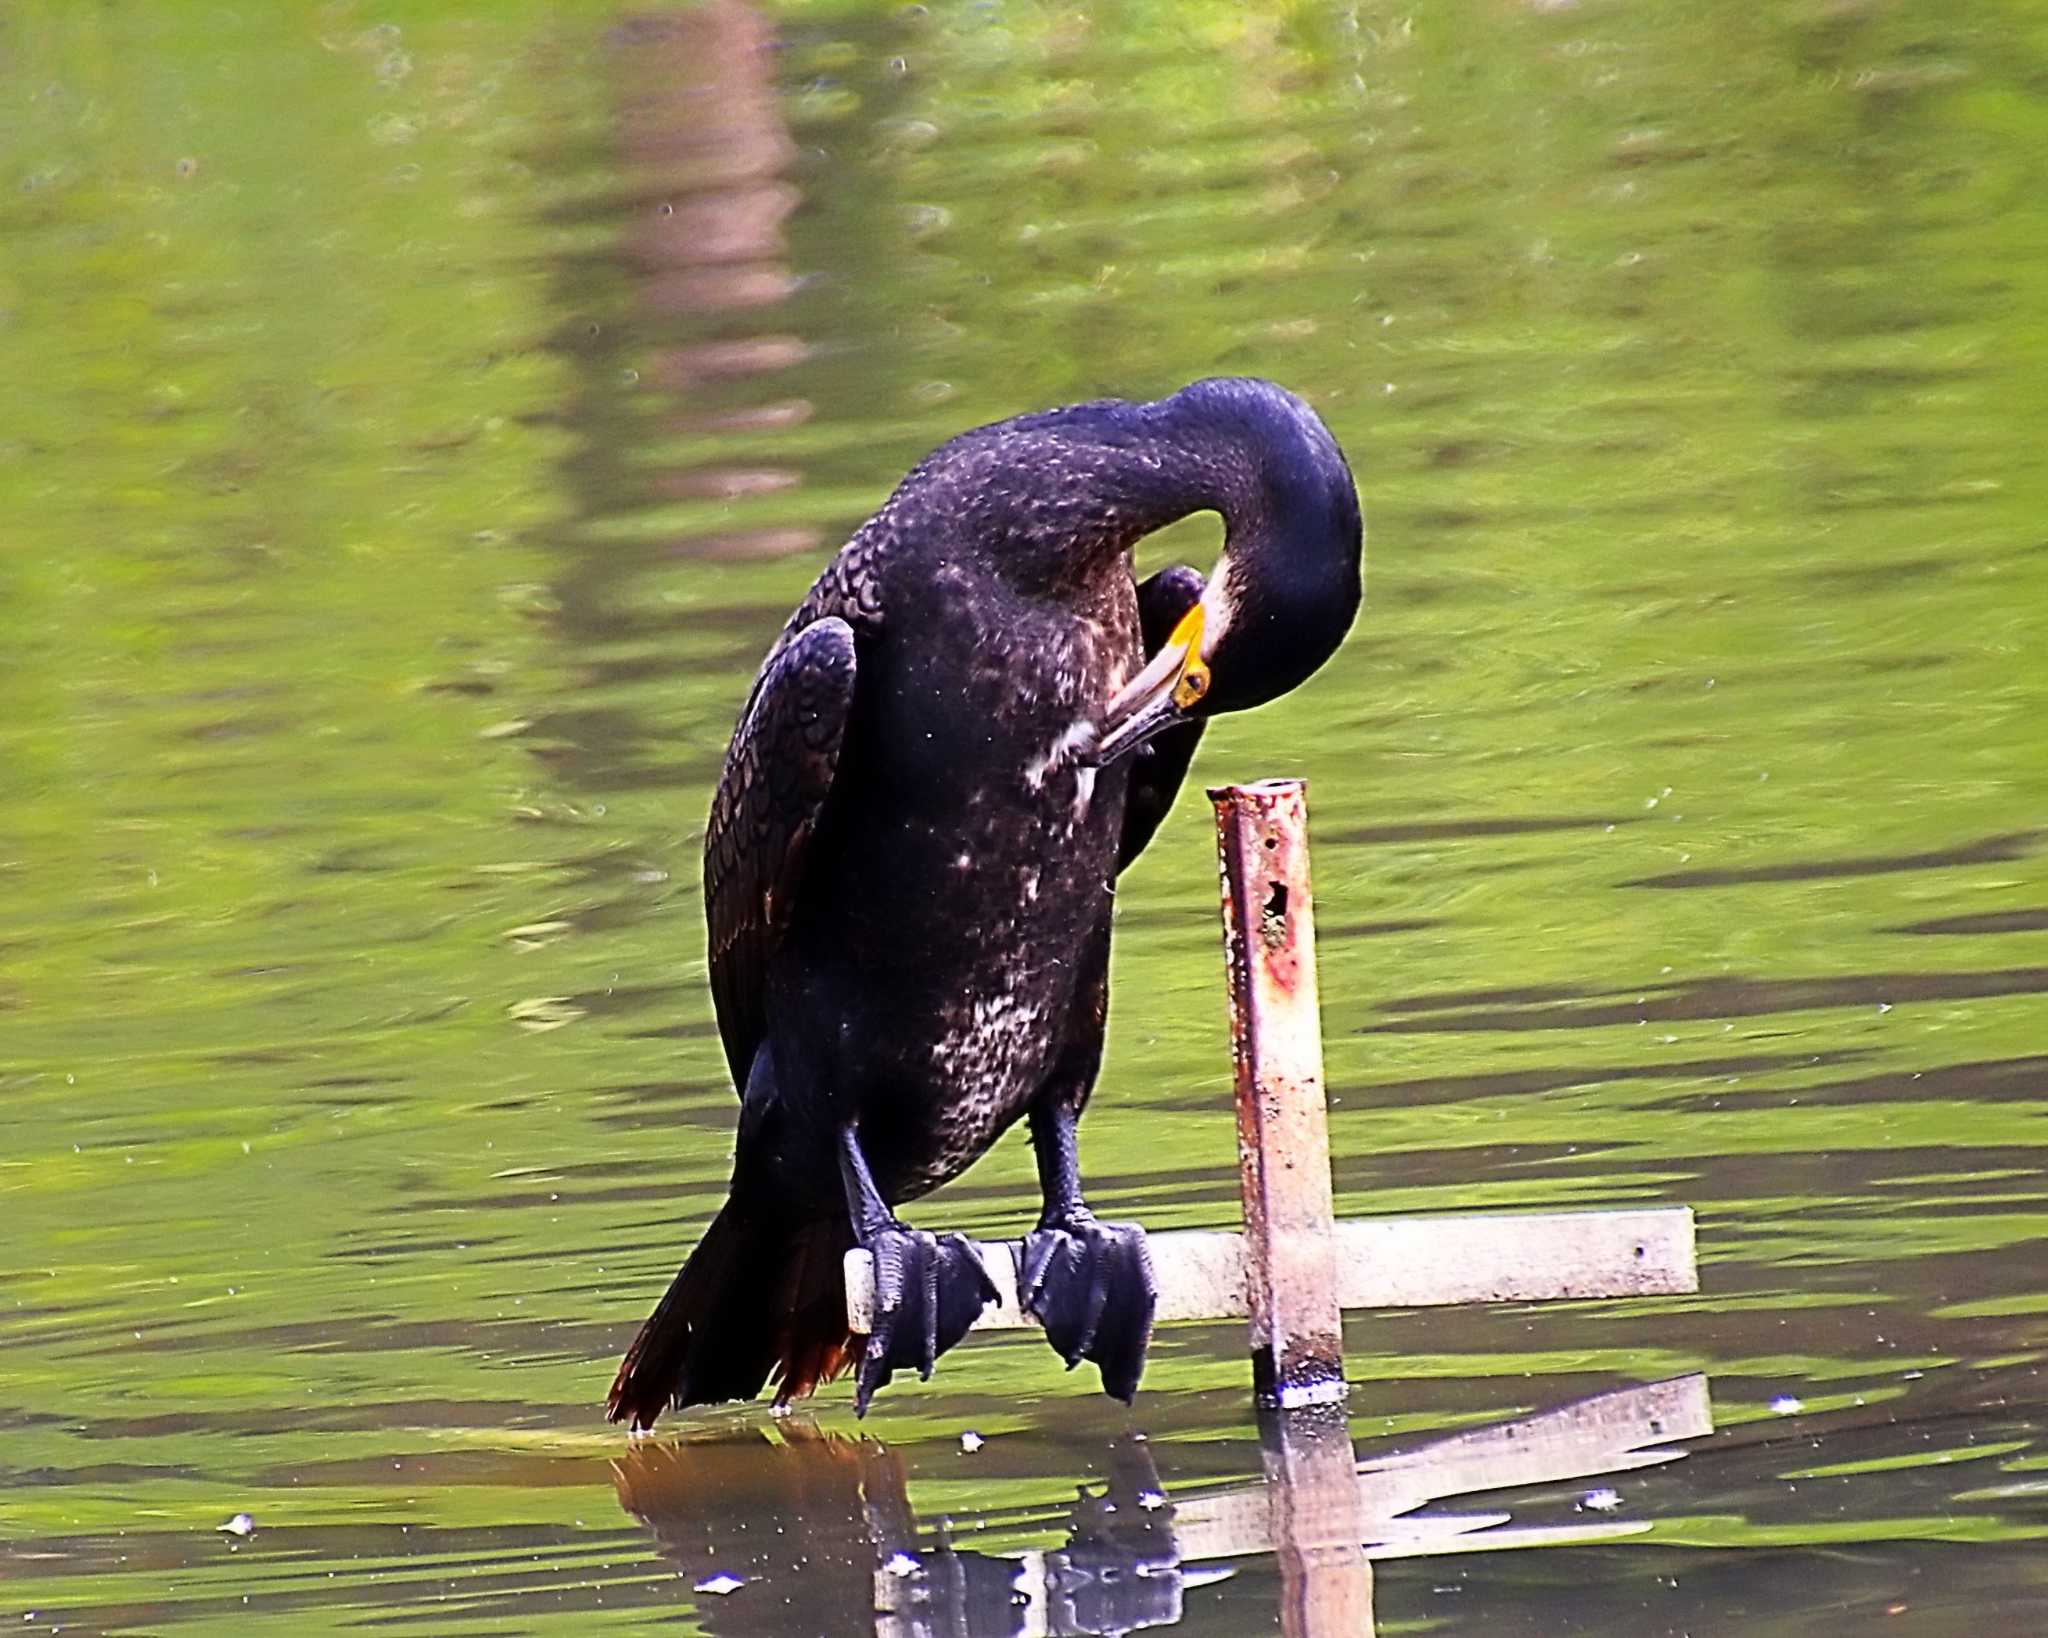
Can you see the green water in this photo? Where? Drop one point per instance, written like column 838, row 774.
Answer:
column 419, row 421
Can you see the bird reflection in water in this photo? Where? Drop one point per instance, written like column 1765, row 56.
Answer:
column 801, row 1532
column 814, row 1532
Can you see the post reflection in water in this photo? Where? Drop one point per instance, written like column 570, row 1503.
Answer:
column 796, row 1530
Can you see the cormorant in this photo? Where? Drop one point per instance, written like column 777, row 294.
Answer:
column 973, row 721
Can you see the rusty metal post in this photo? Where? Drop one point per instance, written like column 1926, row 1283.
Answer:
column 1283, row 1140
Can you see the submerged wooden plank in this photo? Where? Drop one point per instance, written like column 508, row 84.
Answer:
column 1395, row 1262
column 1612, row 1432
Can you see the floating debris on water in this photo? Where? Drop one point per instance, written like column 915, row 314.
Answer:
column 970, row 1441
column 721, row 1584
column 902, row 1564
column 1786, row 1405
column 240, row 1525
column 1601, row 1501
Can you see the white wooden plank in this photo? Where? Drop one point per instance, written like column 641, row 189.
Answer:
column 1396, row 1262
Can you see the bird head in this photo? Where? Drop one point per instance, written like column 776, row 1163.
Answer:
column 1287, row 587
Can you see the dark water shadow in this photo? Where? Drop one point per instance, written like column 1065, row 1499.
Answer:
column 1990, row 921
column 2007, row 848
column 1696, row 1000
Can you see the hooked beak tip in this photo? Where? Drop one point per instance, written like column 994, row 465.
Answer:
column 1120, row 736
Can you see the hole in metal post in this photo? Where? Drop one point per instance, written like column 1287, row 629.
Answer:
column 1273, row 916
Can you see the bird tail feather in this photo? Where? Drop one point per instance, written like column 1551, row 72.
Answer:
column 758, row 1297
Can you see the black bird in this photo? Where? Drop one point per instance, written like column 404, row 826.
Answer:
column 973, row 721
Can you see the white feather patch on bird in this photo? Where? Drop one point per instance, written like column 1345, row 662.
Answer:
column 1077, row 737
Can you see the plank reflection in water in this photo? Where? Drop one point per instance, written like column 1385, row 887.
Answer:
column 804, row 1533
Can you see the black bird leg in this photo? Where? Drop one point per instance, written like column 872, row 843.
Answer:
column 927, row 1290
column 1088, row 1283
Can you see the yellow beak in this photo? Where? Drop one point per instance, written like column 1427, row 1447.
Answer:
column 1159, row 696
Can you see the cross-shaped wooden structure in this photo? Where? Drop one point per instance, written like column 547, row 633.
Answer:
column 1296, row 1266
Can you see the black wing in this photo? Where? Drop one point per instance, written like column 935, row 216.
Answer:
column 1158, row 768
column 777, row 773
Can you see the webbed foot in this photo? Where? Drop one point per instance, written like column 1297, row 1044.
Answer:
column 1090, row 1285
column 928, row 1291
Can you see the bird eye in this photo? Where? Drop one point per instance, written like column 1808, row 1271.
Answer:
column 1193, row 684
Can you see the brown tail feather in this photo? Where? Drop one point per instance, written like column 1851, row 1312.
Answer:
column 815, row 1344
column 756, row 1296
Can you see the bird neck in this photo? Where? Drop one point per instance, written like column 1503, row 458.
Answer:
column 1057, row 500
column 1054, row 503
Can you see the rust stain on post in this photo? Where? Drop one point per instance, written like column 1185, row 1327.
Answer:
column 1283, row 1142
